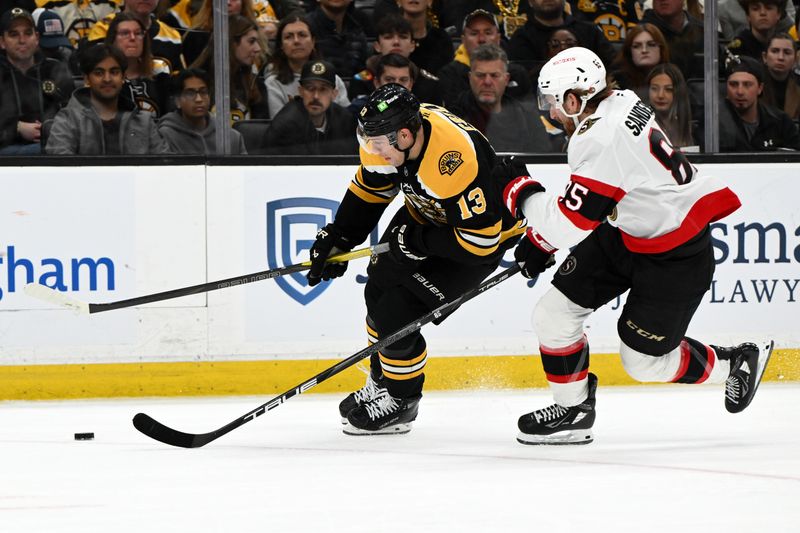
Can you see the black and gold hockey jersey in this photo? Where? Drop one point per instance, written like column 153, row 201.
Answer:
column 165, row 41
column 448, row 188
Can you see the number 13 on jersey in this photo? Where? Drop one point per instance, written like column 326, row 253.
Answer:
column 472, row 203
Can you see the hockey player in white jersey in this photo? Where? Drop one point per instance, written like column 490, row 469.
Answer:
column 639, row 214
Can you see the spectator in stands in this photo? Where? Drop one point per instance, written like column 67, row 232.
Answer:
column 146, row 78
column 559, row 40
column 79, row 17
column 733, row 18
column 394, row 37
column 32, row 87
column 434, row 46
column 389, row 68
column 510, row 125
column 480, row 27
column 294, row 46
column 190, row 129
column 782, row 82
column 53, row 42
column 669, row 97
column 165, row 41
column 613, row 18
column 510, row 15
column 196, row 39
column 529, row 43
column 440, row 13
column 644, row 48
column 762, row 18
column 247, row 89
column 96, row 121
column 340, row 38
column 683, row 33
column 313, row 124
column 745, row 124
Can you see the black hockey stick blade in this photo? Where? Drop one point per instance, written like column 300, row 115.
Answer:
column 158, row 431
column 60, row 299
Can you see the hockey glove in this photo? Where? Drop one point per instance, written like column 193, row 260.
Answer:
column 329, row 242
column 533, row 254
column 405, row 244
column 517, row 191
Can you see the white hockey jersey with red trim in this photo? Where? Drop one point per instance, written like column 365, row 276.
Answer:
column 625, row 171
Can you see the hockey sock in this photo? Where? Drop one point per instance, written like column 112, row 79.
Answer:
column 403, row 368
column 566, row 369
column 699, row 364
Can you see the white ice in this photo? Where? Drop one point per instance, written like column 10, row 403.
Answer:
column 665, row 459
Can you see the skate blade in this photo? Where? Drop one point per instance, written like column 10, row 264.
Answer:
column 576, row 436
column 397, row 429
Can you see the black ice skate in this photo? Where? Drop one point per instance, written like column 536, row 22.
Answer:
column 365, row 394
column 384, row 415
column 560, row 425
column 748, row 362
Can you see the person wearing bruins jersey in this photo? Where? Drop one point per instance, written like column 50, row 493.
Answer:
column 447, row 237
column 166, row 41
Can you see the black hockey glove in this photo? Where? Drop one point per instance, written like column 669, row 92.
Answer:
column 329, row 242
column 405, row 244
column 533, row 254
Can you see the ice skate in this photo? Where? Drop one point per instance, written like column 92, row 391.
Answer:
column 383, row 415
column 365, row 394
column 748, row 362
column 555, row 424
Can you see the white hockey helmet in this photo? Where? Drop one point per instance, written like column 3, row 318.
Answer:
column 575, row 68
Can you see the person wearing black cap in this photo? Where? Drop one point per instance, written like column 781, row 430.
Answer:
column 747, row 125
column 313, row 123
column 480, row 27
column 32, row 87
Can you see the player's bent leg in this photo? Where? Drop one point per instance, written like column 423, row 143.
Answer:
column 565, row 357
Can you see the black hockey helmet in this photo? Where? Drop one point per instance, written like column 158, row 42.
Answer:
column 389, row 108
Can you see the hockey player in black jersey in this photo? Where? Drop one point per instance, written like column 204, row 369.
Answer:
column 447, row 237
column 639, row 214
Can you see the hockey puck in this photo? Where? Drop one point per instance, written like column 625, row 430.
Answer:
column 84, row 436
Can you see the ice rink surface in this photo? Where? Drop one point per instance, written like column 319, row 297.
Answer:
column 665, row 459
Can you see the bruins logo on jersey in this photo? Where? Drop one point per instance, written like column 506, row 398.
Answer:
column 48, row 87
column 588, row 124
column 449, row 162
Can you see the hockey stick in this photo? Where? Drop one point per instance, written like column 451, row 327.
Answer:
column 43, row 292
column 158, row 431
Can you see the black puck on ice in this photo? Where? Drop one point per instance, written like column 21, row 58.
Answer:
column 84, row 436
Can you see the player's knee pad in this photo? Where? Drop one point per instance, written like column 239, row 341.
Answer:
column 558, row 321
column 645, row 367
column 644, row 341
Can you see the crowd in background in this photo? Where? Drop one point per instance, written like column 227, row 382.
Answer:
column 137, row 76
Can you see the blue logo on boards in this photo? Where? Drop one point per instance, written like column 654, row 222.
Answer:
column 292, row 225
